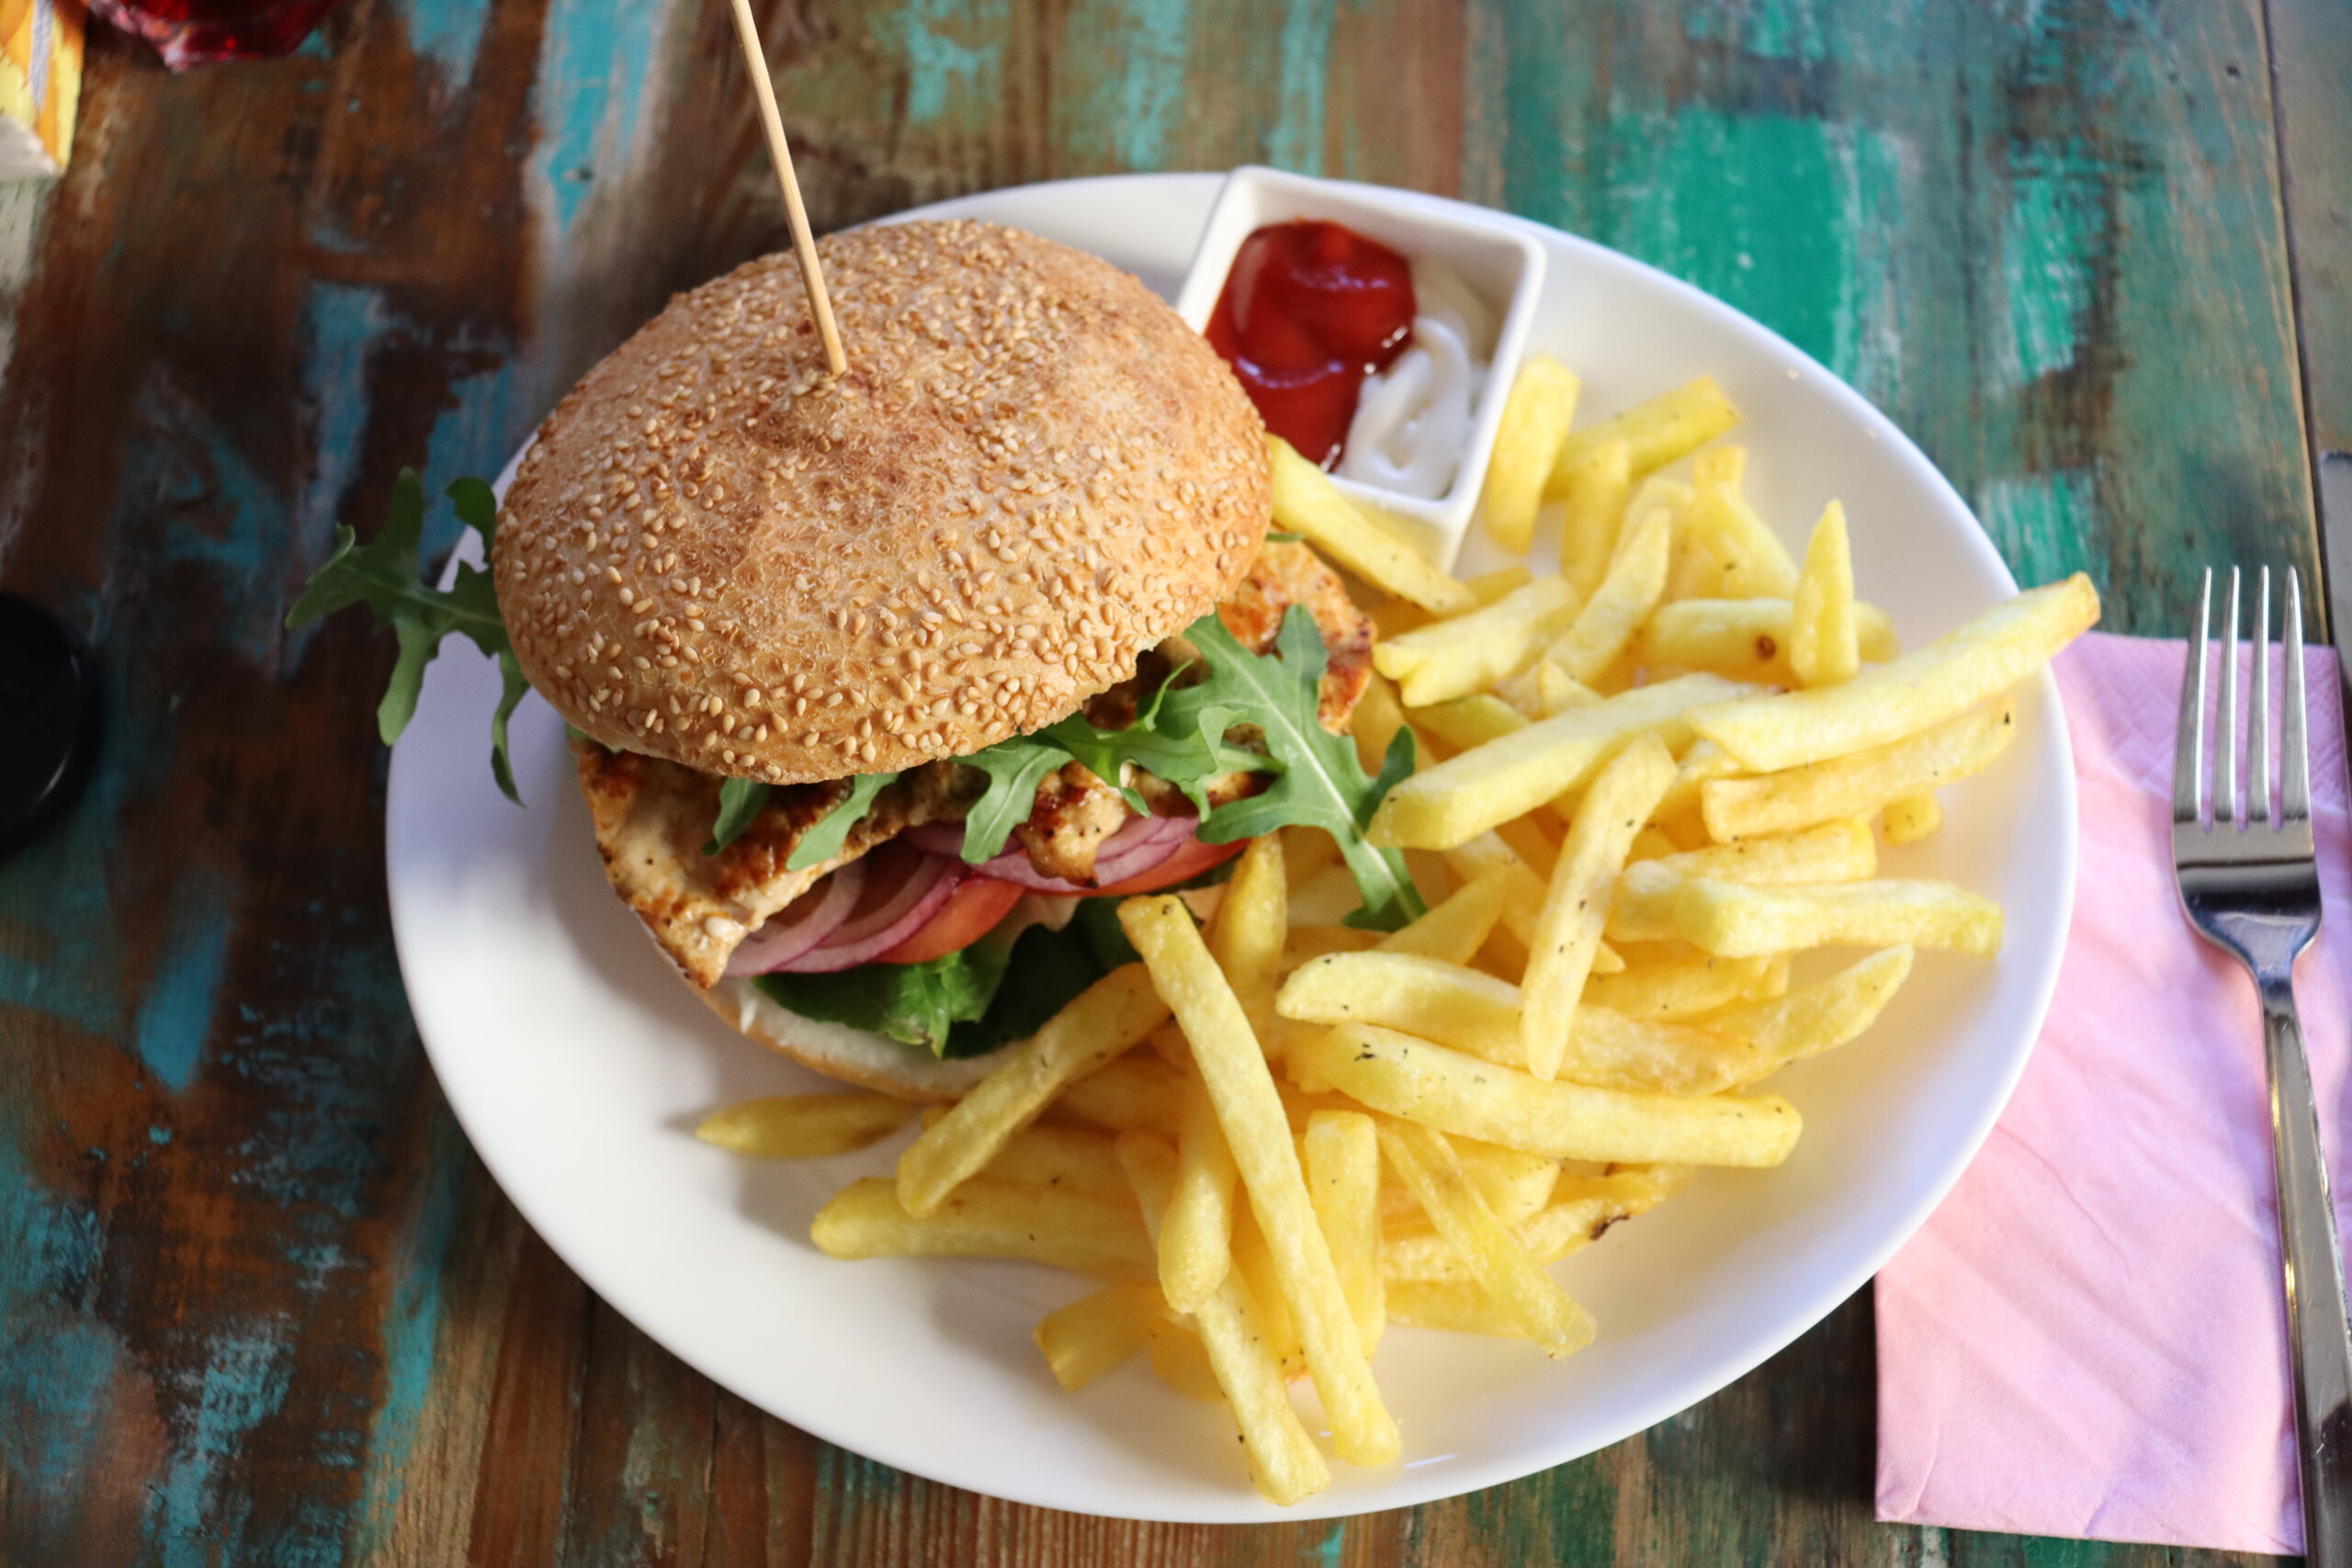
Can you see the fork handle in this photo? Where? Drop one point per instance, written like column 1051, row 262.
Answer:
column 2316, row 1328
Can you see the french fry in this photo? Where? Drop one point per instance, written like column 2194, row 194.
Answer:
column 1076, row 1159
column 1576, row 906
column 1251, row 927
column 1677, row 814
column 1861, row 782
column 1720, row 466
column 1651, row 843
column 1378, row 715
column 1253, row 1262
column 1135, row 1093
column 1307, row 503
column 982, row 1218
column 1611, row 1051
column 1455, row 929
column 1475, row 856
column 1692, row 572
column 805, row 1126
column 1426, row 997
column 1393, row 617
column 1536, row 419
column 1738, row 921
column 1747, row 640
column 1582, row 1207
column 1342, row 1154
column 1461, row 1094
column 1522, row 895
column 1096, row 1332
column 1911, row 818
column 1505, row 778
column 1884, row 703
column 1470, row 652
column 1307, row 944
column 1543, row 689
column 1181, row 1360
column 1250, row 1109
column 1822, row 646
column 1195, row 1234
column 1643, row 907
column 1605, row 960
column 1629, row 591
column 1496, row 1259
column 1465, row 722
column 1489, row 586
column 1283, row 1462
column 1819, row 1017
column 1106, row 1018
column 1166, row 1042
column 1461, row 1306
column 1669, row 426
column 1678, row 989
column 1593, row 494
column 1516, row 1185
column 1307, row 851
column 1840, row 850
column 1754, row 564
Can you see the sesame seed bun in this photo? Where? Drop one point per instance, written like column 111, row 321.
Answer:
column 852, row 1056
column 1032, row 472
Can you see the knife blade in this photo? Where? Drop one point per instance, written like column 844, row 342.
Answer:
column 2335, row 498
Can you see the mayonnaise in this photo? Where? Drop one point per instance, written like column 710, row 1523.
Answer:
column 1413, row 420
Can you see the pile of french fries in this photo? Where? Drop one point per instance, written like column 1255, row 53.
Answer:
column 1654, row 780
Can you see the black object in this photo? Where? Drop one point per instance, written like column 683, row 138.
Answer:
column 48, row 720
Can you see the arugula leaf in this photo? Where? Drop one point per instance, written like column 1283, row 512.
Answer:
column 1014, row 768
column 383, row 574
column 824, row 841
column 1322, row 783
column 739, row 800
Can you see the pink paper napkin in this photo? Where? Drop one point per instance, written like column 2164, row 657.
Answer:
column 2088, row 1340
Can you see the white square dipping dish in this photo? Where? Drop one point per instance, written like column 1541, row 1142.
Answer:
column 1501, row 262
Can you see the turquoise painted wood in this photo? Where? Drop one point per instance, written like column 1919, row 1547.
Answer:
column 258, row 1302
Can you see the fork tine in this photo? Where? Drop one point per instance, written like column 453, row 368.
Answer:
column 2295, row 758
column 2257, row 750
column 2226, row 740
column 2189, row 741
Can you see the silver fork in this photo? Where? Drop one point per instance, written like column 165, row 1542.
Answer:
column 2251, row 887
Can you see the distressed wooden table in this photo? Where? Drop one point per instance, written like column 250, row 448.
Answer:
column 258, row 1301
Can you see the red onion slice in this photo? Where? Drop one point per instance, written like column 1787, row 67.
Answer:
column 801, row 924
column 1140, row 844
column 904, row 890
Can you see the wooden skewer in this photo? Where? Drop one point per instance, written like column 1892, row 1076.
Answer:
column 803, row 242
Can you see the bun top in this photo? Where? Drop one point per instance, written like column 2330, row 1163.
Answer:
column 1032, row 471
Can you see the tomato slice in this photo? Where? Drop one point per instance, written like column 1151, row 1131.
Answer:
column 1195, row 858
column 969, row 914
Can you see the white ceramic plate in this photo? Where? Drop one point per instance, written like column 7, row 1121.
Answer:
column 579, row 1066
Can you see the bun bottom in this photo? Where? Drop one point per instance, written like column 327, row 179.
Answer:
column 854, row 1055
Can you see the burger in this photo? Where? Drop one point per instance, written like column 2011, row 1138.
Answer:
column 882, row 686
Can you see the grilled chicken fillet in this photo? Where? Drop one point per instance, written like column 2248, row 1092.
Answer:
column 652, row 816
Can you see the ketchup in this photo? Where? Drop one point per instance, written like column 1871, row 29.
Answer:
column 1308, row 310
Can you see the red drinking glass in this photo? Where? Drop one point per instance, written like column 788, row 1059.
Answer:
column 199, row 32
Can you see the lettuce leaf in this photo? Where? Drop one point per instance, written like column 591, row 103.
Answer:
column 965, row 1004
